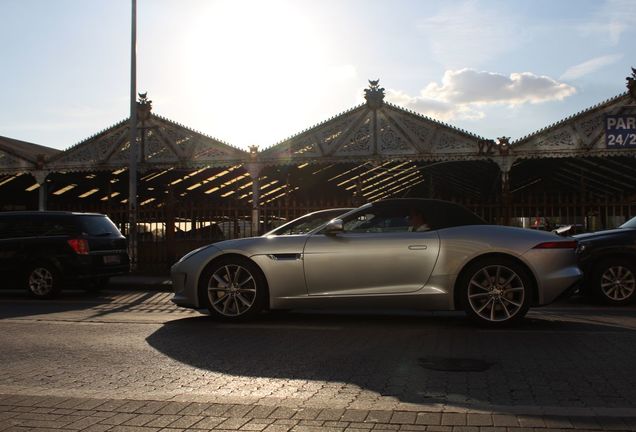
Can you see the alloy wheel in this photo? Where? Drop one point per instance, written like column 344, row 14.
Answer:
column 496, row 293
column 618, row 283
column 231, row 290
column 41, row 281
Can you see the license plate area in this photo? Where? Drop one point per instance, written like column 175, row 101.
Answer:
column 112, row 259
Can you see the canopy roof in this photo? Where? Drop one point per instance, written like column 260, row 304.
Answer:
column 580, row 135
column 164, row 144
column 373, row 151
column 375, row 131
column 21, row 156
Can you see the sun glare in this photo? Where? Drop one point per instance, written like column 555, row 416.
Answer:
column 254, row 61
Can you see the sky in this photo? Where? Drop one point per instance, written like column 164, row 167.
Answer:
column 257, row 72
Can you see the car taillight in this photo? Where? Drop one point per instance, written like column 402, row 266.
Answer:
column 570, row 244
column 80, row 246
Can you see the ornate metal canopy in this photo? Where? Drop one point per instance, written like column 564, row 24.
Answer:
column 373, row 149
column 164, row 144
column 375, row 131
column 20, row 156
column 580, row 135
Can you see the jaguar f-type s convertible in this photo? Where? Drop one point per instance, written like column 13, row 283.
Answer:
column 391, row 254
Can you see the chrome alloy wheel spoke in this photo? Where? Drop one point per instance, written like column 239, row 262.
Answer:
column 486, row 294
column 485, row 305
column 240, row 285
column 232, row 290
column 496, row 293
column 480, row 286
column 503, row 299
column 505, row 308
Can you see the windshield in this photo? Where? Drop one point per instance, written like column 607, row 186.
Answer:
column 630, row 223
column 308, row 222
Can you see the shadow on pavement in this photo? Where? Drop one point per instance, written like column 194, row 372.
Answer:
column 18, row 303
column 542, row 362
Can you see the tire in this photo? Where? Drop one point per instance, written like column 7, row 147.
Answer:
column 495, row 291
column 233, row 289
column 614, row 281
column 42, row 280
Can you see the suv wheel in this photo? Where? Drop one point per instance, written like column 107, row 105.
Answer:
column 614, row 281
column 43, row 280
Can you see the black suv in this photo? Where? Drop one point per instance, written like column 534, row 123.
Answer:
column 46, row 250
column 608, row 261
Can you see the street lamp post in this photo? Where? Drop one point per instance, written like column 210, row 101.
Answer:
column 133, row 149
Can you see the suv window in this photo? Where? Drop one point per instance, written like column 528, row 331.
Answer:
column 35, row 226
column 95, row 225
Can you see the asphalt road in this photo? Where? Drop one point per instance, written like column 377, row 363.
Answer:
column 571, row 358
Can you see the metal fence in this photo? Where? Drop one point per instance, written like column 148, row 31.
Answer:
column 168, row 232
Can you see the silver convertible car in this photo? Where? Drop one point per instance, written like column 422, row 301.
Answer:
column 398, row 253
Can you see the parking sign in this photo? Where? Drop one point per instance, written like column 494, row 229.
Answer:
column 620, row 131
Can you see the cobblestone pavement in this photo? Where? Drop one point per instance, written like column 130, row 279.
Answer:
column 90, row 359
column 50, row 413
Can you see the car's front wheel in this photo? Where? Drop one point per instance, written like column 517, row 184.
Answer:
column 233, row 289
column 496, row 291
column 42, row 280
column 614, row 281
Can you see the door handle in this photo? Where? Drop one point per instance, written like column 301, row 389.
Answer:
column 417, row 247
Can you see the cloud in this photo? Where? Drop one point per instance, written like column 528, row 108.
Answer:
column 478, row 87
column 437, row 109
column 589, row 66
column 462, row 94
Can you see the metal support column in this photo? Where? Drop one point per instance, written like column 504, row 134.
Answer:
column 40, row 178
column 254, row 170
column 504, row 160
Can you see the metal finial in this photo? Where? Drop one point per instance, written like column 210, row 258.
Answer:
column 374, row 94
column 631, row 84
column 144, row 106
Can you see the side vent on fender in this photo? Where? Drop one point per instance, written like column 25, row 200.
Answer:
column 285, row 257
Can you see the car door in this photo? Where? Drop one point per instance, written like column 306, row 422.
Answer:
column 375, row 254
column 11, row 245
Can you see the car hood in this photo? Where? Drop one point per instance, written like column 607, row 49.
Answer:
column 282, row 244
column 599, row 234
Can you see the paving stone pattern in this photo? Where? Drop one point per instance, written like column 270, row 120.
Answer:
column 322, row 363
column 49, row 413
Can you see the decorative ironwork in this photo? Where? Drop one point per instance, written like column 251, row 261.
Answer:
column 503, row 145
column 374, row 94
column 253, row 152
column 144, row 106
column 486, row 147
column 359, row 143
column 391, row 140
column 631, row 84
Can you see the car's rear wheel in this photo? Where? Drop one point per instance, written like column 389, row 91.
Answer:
column 496, row 291
column 614, row 281
column 233, row 289
column 43, row 280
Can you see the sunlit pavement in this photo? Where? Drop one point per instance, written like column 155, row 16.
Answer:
column 129, row 359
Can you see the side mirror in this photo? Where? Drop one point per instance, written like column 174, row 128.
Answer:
column 334, row 226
